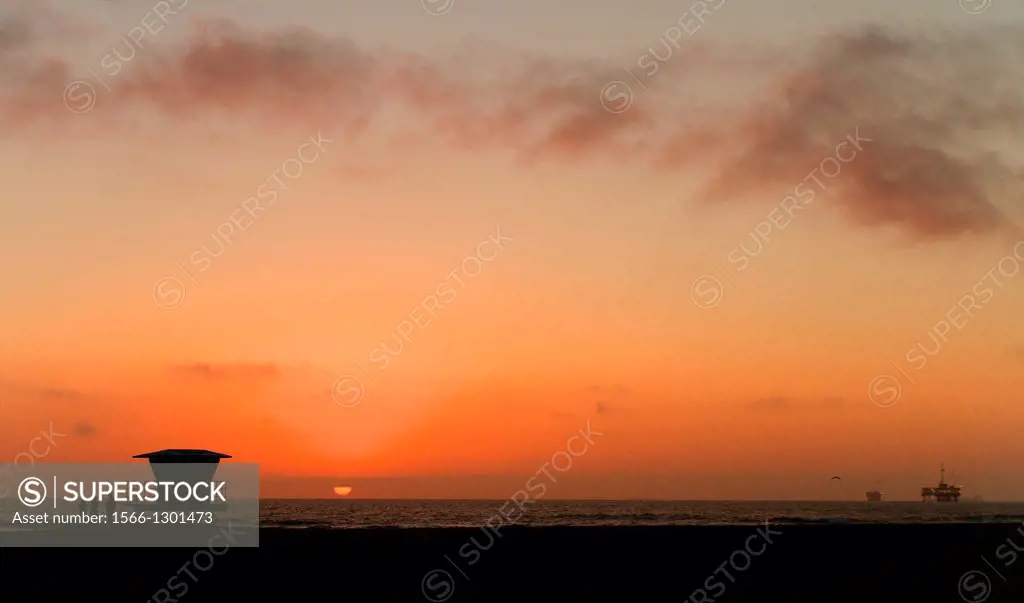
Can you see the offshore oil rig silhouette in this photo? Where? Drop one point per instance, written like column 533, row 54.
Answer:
column 943, row 492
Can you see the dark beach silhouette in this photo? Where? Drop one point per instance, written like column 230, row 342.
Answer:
column 806, row 563
column 791, row 563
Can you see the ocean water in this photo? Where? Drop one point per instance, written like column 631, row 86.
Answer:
column 474, row 513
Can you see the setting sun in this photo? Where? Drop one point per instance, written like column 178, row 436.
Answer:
column 343, row 490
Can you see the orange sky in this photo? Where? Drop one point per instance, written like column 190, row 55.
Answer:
column 121, row 337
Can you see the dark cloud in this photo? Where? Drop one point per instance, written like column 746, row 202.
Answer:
column 84, row 429
column 16, row 34
column 932, row 107
column 44, row 394
column 50, row 394
column 928, row 168
column 28, row 34
column 203, row 370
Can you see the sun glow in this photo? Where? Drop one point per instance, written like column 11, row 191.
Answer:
column 343, row 490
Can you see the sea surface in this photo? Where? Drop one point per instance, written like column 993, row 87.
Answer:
column 344, row 514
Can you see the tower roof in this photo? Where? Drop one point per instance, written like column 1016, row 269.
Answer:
column 173, row 453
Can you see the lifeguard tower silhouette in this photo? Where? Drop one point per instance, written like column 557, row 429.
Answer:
column 166, row 464
column 184, row 465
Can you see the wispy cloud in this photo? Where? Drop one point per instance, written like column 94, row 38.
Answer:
column 916, row 98
column 204, row 370
column 932, row 169
column 44, row 393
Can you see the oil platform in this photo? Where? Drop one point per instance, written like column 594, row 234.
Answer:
column 874, row 495
column 943, row 492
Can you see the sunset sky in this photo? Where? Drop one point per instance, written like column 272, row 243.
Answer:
column 612, row 285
